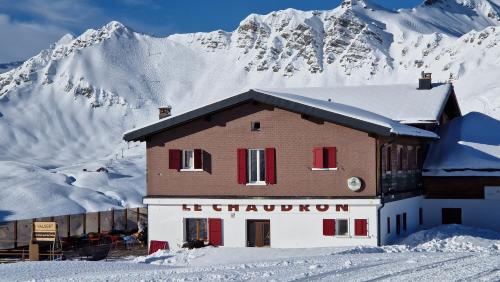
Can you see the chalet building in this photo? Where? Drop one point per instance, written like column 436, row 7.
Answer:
column 298, row 167
column 462, row 173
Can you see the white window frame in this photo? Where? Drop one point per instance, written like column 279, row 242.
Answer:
column 249, row 168
column 337, row 227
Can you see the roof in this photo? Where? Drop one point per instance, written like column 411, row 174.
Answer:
column 401, row 102
column 335, row 112
column 469, row 146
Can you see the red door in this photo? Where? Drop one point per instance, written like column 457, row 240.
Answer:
column 215, row 231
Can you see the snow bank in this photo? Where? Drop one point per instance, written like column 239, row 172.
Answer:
column 445, row 238
column 442, row 239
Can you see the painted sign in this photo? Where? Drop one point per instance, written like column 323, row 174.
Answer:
column 44, row 231
column 266, row 208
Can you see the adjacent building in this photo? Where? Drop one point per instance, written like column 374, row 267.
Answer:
column 462, row 173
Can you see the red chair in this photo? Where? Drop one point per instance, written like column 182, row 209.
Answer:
column 154, row 246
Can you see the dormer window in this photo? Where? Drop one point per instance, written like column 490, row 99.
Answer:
column 255, row 126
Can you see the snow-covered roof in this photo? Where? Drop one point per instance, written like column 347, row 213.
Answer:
column 469, row 146
column 354, row 112
column 401, row 102
column 342, row 114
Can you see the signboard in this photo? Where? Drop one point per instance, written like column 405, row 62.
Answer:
column 267, row 208
column 44, row 231
column 492, row 192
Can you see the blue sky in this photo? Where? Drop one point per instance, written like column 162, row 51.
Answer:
column 32, row 25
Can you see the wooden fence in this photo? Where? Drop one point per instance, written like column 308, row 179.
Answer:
column 17, row 233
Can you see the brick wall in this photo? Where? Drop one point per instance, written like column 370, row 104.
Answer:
column 294, row 138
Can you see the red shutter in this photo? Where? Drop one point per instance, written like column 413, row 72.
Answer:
column 360, row 227
column 215, row 231
column 174, row 159
column 270, row 166
column 332, row 157
column 197, row 158
column 242, row 166
column 328, row 227
column 318, row 158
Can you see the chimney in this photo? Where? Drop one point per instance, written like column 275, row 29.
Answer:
column 425, row 82
column 165, row 111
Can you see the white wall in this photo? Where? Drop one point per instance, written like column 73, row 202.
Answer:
column 293, row 229
column 478, row 213
column 411, row 208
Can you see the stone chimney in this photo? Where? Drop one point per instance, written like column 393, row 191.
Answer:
column 165, row 111
column 425, row 81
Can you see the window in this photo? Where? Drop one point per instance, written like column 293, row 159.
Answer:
column 196, row 229
column 187, row 159
column 404, row 222
column 388, row 164
column 400, row 159
column 324, row 158
column 256, row 166
column 342, row 227
column 255, row 126
column 388, row 225
column 398, row 224
column 335, row 227
column 361, row 227
column 418, row 156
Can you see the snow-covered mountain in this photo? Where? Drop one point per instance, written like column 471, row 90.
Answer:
column 71, row 103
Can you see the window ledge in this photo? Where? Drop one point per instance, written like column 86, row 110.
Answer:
column 257, row 184
column 191, row 169
column 323, row 169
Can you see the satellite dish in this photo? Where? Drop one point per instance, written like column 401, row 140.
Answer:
column 354, row 183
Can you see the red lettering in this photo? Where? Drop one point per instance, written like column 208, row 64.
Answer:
column 251, row 208
column 197, row 207
column 286, row 207
column 185, row 208
column 216, row 208
column 269, row 208
column 342, row 207
column 233, row 207
column 303, row 207
column 322, row 208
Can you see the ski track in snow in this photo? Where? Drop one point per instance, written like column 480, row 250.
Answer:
column 365, row 267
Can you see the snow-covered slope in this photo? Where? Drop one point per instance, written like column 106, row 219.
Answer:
column 71, row 103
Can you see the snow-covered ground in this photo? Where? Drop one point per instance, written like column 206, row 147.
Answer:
column 446, row 253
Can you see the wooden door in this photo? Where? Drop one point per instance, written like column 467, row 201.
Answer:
column 258, row 233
